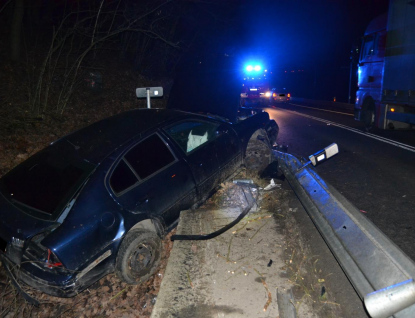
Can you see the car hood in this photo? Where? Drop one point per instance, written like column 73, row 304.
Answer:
column 14, row 223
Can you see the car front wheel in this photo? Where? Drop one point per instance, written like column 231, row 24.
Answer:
column 138, row 256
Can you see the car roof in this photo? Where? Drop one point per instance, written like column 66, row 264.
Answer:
column 96, row 141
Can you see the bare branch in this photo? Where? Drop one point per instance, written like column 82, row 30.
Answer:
column 96, row 21
column 5, row 5
column 115, row 14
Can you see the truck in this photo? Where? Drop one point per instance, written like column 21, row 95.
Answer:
column 385, row 97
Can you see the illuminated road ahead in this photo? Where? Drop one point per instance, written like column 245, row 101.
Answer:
column 375, row 171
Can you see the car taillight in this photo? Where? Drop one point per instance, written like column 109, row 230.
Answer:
column 52, row 260
column 40, row 255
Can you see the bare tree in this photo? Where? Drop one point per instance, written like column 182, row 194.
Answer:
column 16, row 30
column 81, row 32
column 152, row 33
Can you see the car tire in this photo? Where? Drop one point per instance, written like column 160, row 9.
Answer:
column 138, row 256
column 368, row 114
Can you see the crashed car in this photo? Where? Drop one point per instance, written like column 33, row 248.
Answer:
column 101, row 199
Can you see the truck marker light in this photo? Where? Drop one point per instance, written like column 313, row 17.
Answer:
column 392, row 110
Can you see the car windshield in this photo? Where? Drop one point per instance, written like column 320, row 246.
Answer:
column 43, row 184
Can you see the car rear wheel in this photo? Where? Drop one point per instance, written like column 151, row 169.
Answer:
column 138, row 256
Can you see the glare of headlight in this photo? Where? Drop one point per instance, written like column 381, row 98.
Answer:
column 249, row 68
column 268, row 94
column 257, row 68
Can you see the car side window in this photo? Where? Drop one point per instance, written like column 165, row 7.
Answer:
column 122, row 178
column 190, row 135
column 369, row 47
column 143, row 160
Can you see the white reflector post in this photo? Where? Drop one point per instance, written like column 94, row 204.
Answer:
column 390, row 300
column 324, row 154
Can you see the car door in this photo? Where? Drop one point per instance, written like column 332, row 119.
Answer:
column 228, row 150
column 150, row 178
column 197, row 138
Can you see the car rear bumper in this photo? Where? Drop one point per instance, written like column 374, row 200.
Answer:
column 64, row 288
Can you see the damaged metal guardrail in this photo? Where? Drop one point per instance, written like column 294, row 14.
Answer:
column 379, row 271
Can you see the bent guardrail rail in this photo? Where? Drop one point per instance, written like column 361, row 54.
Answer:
column 379, row 271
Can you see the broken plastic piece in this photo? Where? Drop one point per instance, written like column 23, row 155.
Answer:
column 251, row 200
column 271, row 185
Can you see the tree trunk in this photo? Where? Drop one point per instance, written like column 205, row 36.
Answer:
column 16, row 30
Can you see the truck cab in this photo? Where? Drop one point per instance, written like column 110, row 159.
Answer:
column 255, row 93
column 370, row 70
column 386, row 83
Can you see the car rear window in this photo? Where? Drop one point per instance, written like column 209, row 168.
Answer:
column 45, row 182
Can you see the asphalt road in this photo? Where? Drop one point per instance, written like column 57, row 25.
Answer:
column 374, row 170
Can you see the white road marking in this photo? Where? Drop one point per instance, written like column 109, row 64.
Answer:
column 357, row 131
column 324, row 110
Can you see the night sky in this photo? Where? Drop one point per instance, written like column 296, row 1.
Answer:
column 298, row 32
column 310, row 39
column 306, row 44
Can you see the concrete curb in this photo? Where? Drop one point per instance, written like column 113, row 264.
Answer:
column 233, row 275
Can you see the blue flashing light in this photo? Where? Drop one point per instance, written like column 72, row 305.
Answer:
column 256, row 68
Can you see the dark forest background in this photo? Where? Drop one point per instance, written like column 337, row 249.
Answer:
column 54, row 50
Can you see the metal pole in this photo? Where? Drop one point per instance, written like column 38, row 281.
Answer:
column 148, row 97
column 390, row 300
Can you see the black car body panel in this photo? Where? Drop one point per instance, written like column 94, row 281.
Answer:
column 139, row 168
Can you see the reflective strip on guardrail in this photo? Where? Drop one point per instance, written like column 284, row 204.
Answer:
column 372, row 262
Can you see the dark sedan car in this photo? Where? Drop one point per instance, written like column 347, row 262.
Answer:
column 100, row 199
